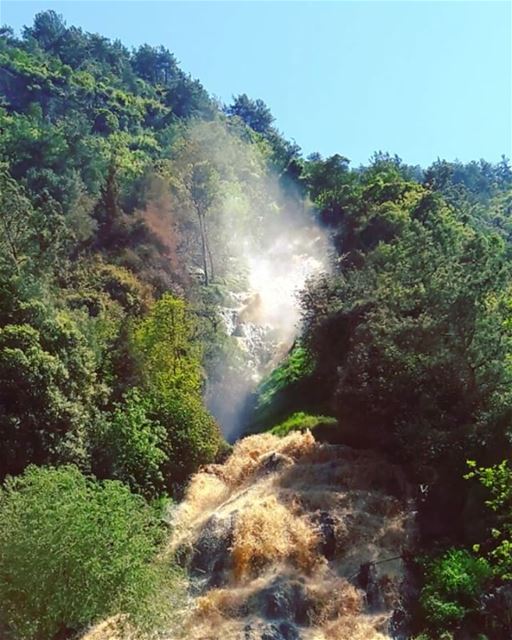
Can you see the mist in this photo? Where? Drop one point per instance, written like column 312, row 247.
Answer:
column 267, row 243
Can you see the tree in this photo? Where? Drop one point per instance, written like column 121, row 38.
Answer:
column 48, row 29
column 131, row 446
column 193, row 437
column 197, row 181
column 48, row 391
column 254, row 113
column 168, row 355
column 413, row 326
column 108, row 212
column 203, row 192
column 16, row 224
column 155, row 64
column 170, row 367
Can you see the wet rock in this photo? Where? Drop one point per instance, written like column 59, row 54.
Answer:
column 211, row 550
column 395, row 484
column 399, row 625
column 284, row 631
column 401, row 621
column 496, row 606
column 367, row 580
column 274, row 461
column 327, row 525
column 238, row 331
column 278, row 631
column 181, row 556
column 283, row 599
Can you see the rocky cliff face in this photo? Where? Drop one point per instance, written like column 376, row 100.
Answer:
column 293, row 539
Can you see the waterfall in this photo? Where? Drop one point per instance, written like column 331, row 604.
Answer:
column 263, row 320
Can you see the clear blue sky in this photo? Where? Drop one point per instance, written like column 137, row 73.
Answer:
column 421, row 79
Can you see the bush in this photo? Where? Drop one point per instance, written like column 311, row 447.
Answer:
column 168, row 355
column 131, row 447
column 155, row 441
column 48, row 389
column 193, row 437
column 454, row 583
column 71, row 550
column 291, row 387
column 498, row 482
column 301, row 421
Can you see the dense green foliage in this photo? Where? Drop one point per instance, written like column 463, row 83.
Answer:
column 454, row 583
column 288, row 385
column 116, row 173
column 320, row 426
column 47, row 387
column 131, row 446
column 498, row 482
column 60, row 532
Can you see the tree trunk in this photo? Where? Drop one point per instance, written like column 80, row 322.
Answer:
column 204, row 251
column 209, row 252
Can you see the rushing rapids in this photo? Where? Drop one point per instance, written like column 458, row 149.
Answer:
column 292, row 539
column 287, row 540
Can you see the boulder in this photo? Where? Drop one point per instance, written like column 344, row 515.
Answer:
column 210, row 555
column 264, row 631
column 367, row 580
column 327, row 526
column 274, row 461
column 285, row 599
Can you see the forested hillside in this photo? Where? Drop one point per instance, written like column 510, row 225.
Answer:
column 153, row 243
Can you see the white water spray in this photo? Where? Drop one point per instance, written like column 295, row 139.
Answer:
column 264, row 243
column 265, row 319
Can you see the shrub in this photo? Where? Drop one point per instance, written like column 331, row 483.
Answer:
column 124, row 287
column 454, row 582
column 71, row 550
column 155, row 441
column 131, row 447
column 498, row 482
column 193, row 437
column 301, row 421
column 169, row 357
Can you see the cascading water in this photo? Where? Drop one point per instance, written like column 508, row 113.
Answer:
column 263, row 319
column 294, row 540
column 291, row 539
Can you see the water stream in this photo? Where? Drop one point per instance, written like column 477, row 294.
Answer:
column 263, row 320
